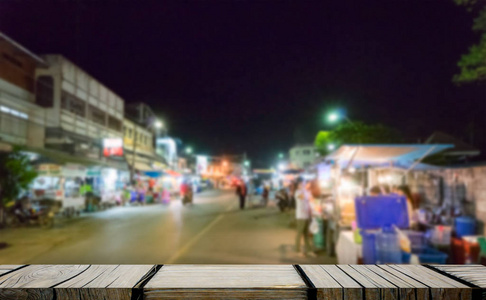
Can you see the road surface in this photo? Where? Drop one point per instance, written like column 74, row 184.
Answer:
column 213, row 230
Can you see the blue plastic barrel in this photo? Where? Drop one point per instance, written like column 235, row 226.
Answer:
column 465, row 226
column 369, row 250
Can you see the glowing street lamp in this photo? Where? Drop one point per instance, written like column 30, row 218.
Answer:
column 158, row 124
column 247, row 163
column 331, row 147
column 280, row 155
column 281, row 167
column 333, row 117
column 188, row 150
column 225, row 163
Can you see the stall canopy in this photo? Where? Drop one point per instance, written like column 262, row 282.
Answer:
column 385, row 155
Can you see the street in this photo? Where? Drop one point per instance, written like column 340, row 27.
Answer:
column 211, row 231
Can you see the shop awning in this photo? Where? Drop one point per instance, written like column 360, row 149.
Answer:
column 263, row 171
column 172, row 173
column 385, row 154
column 50, row 156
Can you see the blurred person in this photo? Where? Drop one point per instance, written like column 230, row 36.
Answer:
column 241, row 191
column 165, row 196
column 404, row 190
column 303, row 215
column 265, row 194
column 385, row 189
column 375, row 191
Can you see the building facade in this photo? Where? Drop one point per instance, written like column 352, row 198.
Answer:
column 302, row 156
column 22, row 121
column 81, row 111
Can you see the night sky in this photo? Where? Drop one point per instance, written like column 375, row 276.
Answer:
column 257, row 76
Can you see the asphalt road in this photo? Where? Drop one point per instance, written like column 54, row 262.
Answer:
column 213, row 230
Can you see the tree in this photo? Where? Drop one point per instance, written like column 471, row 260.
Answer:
column 361, row 133
column 322, row 142
column 16, row 174
column 473, row 64
column 356, row 133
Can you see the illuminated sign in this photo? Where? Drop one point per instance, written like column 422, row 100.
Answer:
column 113, row 147
column 201, row 164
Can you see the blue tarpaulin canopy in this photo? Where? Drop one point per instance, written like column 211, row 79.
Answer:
column 385, row 155
column 154, row 174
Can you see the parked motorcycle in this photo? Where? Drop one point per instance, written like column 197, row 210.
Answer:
column 32, row 212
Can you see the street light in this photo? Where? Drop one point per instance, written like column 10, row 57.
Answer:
column 188, row 150
column 225, row 163
column 280, row 155
column 335, row 116
column 159, row 124
column 331, row 147
column 247, row 163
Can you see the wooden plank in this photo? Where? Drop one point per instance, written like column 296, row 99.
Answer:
column 4, row 269
column 388, row 290
column 226, row 281
column 401, row 280
column 475, row 274
column 441, row 287
column 36, row 281
column 371, row 290
column 103, row 282
column 351, row 289
column 327, row 287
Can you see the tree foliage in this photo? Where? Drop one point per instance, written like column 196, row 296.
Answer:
column 322, row 141
column 473, row 64
column 356, row 133
column 16, row 174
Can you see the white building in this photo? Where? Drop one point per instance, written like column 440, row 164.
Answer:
column 22, row 121
column 302, row 156
column 81, row 112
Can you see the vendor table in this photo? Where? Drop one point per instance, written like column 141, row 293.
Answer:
column 347, row 250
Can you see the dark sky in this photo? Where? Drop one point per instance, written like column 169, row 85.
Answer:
column 257, row 76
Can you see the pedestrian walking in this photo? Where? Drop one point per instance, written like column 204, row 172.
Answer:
column 303, row 215
column 241, row 192
column 265, row 195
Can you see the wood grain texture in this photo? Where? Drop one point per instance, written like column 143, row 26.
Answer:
column 63, row 282
column 327, row 287
column 103, row 282
column 4, row 269
column 226, row 282
column 388, row 290
column 409, row 288
column 441, row 287
column 351, row 288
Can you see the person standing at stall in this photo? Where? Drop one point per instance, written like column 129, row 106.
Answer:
column 241, row 192
column 303, row 216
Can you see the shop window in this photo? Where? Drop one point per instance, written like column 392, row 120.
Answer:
column 13, row 112
column 73, row 104
column 44, row 91
column 96, row 115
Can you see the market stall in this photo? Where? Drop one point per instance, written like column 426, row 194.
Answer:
column 348, row 173
column 61, row 183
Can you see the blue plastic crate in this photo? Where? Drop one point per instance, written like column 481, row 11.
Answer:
column 374, row 212
column 427, row 255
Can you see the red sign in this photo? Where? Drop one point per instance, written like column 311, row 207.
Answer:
column 113, row 147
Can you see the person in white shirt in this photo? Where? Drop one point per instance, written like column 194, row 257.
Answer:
column 303, row 216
